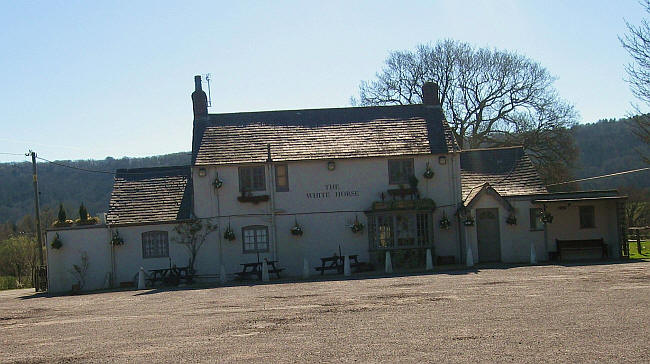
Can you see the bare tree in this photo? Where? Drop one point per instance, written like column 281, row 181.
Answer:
column 490, row 98
column 192, row 234
column 637, row 44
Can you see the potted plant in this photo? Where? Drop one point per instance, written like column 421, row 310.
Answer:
column 62, row 220
column 356, row 226
column 428, row 172
column 56, row 243
column 511, row 220
column 116, row 239
column 229, row 234
column 469, row 221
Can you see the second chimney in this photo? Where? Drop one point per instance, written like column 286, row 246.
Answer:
column 199, row 100
column 430, row 95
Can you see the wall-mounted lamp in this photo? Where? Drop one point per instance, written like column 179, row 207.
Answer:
column 202, row 172
column 331, row 165
column 442, row 159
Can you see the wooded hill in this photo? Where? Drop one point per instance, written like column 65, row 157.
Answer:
column 607, row 146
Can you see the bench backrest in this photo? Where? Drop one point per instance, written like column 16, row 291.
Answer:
column 588, row 243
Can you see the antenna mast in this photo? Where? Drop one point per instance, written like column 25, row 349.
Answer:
column 207, row 78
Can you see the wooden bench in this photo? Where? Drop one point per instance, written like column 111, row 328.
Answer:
column 597, row 246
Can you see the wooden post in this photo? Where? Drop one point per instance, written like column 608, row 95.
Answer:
column 638, row 241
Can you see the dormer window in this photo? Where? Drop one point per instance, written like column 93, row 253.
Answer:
column 252, row 179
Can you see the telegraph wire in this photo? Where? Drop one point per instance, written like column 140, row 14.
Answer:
column 99, row 171
column 601, row 176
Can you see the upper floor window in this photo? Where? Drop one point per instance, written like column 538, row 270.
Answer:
column 256, row 239
column 155, row 244
column 281, row 178
column 587, row 217
column 536, row 222
column 252, row 179
column 400, row 170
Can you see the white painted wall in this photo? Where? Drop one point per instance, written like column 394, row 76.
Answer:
column 325, row 219
column 92, row 240
column 566, row 224
column 515, row 239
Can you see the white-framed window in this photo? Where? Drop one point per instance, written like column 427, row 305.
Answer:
column 281, row 178
column 155, row 244
column 536, row 222
column 255, row 239
column 587, row 217
column 402, row 229
column 400, row 170
column 252, row 178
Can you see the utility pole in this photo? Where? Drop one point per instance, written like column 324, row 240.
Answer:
column 38, row 219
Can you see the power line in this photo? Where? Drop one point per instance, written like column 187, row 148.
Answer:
column 601, row 176
column 18, row 154
column 95, row 170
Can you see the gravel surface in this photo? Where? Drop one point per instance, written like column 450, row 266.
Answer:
column 582, row 313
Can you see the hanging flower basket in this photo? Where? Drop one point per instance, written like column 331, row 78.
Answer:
column 117, row 240
column 296, row 230
column 547, row 218
column 428, row 172
column 445, row 223
column 56, row 243
column 229, row 234
column 469, row 221
column 511, row 220
column 217, row 183
column 357, row 227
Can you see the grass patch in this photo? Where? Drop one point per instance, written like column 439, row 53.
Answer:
column 645, row 250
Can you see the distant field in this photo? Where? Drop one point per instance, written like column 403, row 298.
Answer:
column 645, row 250
column 9, row 282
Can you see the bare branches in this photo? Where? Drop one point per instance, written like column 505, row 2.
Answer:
column 490, row 97
column 192, row 234
column 637, row 44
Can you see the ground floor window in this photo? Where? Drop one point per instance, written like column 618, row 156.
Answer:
column 155, row 244
column 587, row 217
column 401, row 229
column 256, row 239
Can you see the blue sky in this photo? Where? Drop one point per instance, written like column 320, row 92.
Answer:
column 91, row 79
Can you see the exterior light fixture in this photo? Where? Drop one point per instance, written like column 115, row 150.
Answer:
column 442, row 159
column 202, row 172
column 331, row 165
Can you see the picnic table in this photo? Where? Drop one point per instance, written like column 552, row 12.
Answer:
column 336, row 262
column 250, row 270
column 172, row 275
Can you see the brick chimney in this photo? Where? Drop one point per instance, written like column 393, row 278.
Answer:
column 430, row 94
column 199, row 100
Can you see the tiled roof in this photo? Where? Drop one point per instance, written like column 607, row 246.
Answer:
column 508, row 170
column 148, row 195
column 322, row 134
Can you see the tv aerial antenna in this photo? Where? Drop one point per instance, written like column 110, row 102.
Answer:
column 207, row 79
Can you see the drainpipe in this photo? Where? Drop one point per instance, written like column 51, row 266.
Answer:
column 455, row 183
column 271, row 184
column 110, row 237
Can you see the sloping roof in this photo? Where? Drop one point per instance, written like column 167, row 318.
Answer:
column 150, row 195
column 485, row 188
column 321, row 134
column 508, row 170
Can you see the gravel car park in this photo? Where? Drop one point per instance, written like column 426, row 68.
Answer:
column 552, row 313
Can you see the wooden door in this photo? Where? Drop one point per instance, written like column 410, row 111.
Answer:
column 487, row 231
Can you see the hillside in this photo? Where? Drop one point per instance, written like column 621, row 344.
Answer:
column 69, row 186
column 605, row 147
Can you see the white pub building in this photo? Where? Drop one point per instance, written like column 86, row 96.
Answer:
column 300, row 185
